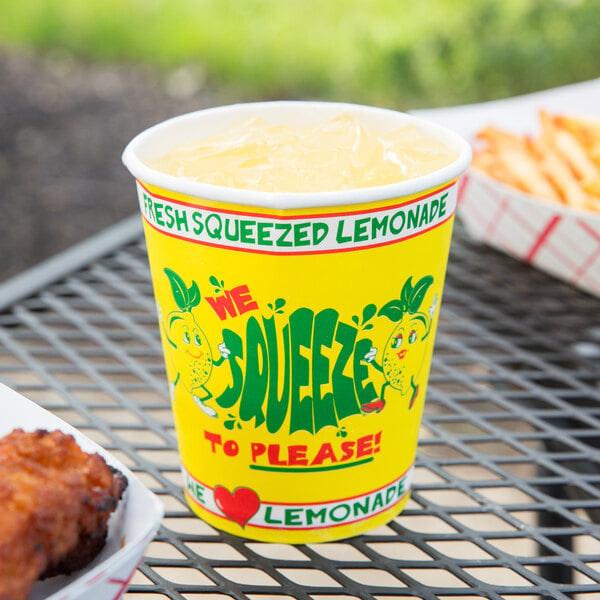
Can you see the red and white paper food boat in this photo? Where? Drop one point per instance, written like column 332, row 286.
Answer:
column 559, row 240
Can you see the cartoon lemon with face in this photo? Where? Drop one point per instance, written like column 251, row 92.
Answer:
column 406, row 348
column 190, row 353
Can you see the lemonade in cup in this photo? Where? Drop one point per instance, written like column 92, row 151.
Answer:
column 297, row 325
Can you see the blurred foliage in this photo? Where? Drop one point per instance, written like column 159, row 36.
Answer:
column 397, row 53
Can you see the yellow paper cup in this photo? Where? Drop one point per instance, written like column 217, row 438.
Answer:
column 297, row 329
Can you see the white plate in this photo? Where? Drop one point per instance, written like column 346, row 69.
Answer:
column 131, row 528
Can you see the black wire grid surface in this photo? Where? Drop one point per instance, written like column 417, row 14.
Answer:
column 506, row 502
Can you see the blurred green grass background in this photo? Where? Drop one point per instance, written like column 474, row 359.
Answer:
column 397, row 53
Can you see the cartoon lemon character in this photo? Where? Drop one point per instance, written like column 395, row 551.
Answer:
column 406, row 348
column 190, row 351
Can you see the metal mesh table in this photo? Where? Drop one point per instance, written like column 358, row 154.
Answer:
column 506, row 502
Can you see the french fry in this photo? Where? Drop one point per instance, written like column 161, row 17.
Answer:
column 595, row 204
column 559, row 174
column 515, row 159
column 527, row 171
column 562, row 164
column 488, row 163
column 592, row 186
column 594, row 152
column 496, row 138
column 569, row 147
column 586, row 130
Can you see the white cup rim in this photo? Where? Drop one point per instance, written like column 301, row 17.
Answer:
column 161, row 137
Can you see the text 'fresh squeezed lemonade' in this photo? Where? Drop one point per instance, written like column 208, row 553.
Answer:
column 298, row 270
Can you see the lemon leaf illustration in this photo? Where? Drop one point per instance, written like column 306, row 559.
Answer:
column 418, row 292
column 179, row 289
column 393, row 310
column 406, row 293
column 411, row 298
column 194, row 296
column 185, row 298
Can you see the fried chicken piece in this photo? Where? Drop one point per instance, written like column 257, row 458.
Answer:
column 55, row 502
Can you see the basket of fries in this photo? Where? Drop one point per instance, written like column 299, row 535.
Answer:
column 537, row 197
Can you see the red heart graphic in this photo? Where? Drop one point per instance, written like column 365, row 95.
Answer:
column 240, row 506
